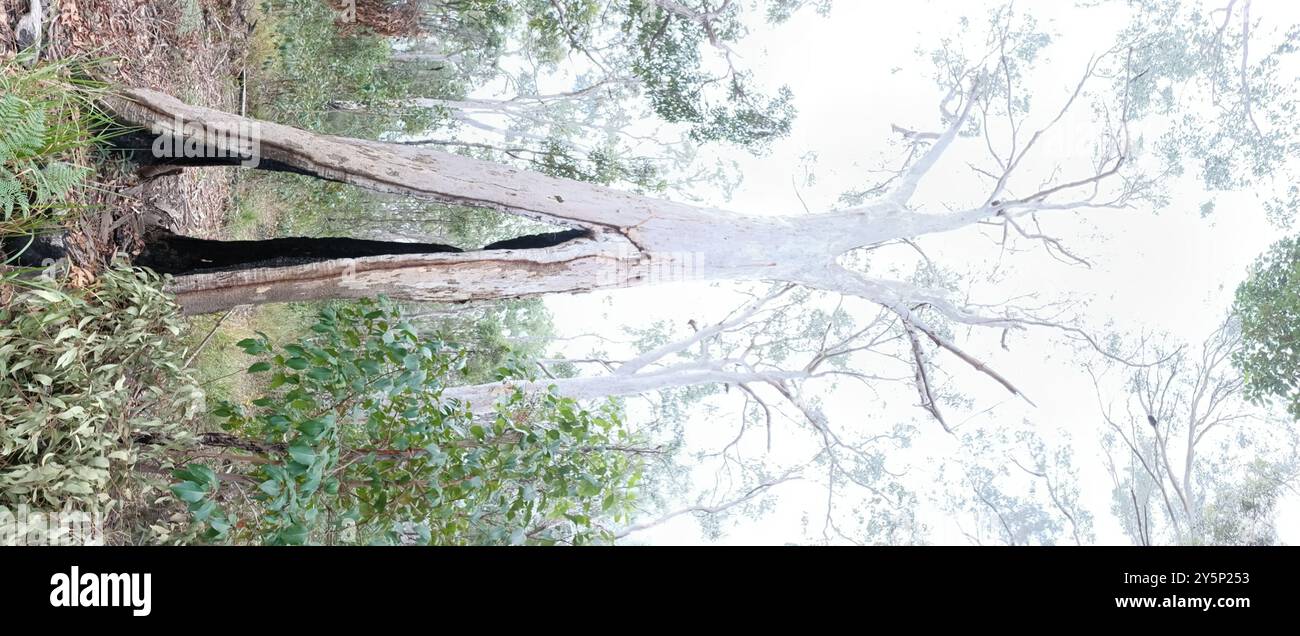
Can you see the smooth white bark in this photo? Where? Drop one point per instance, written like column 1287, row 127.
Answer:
column 482, row 397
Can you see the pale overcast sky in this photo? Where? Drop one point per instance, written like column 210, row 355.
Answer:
column 853, row 74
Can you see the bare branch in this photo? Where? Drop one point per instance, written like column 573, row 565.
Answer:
column 752, row 493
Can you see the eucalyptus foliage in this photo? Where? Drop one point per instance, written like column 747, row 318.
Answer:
column 1268, row 306
column 667, row 61
column 352, row 443
column 84, row 372
column 304, row 61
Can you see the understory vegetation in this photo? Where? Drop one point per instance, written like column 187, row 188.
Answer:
column 85, row 364
column 86, row 372
column 351, row 442
column 49, row 121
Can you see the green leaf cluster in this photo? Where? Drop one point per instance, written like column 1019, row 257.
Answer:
column 353, row 443
column 1268, row 308
column 48, row 115
column 82, row 374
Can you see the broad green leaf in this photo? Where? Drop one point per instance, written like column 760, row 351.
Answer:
column 188, row 491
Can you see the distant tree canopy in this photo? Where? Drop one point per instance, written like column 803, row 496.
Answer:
column 667, row 59
column 1268, row 304
column 675, row 53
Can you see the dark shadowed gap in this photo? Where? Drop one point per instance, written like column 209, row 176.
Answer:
column 168, row 253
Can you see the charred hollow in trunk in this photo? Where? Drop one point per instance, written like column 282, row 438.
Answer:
column 168, row 253
column 535, row 241
column 172, row 254
column 32, row 250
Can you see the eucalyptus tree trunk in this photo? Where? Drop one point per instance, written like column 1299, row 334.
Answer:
column 628, row 239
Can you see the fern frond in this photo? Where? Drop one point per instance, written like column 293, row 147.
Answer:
column 11, row 192
column 57, row 180
column 22, row 128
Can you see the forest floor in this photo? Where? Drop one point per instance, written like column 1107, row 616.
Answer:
column 192, row 49
column 197, row 51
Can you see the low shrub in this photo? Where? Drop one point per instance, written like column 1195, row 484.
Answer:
column 84, row 373
column 353, row 443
